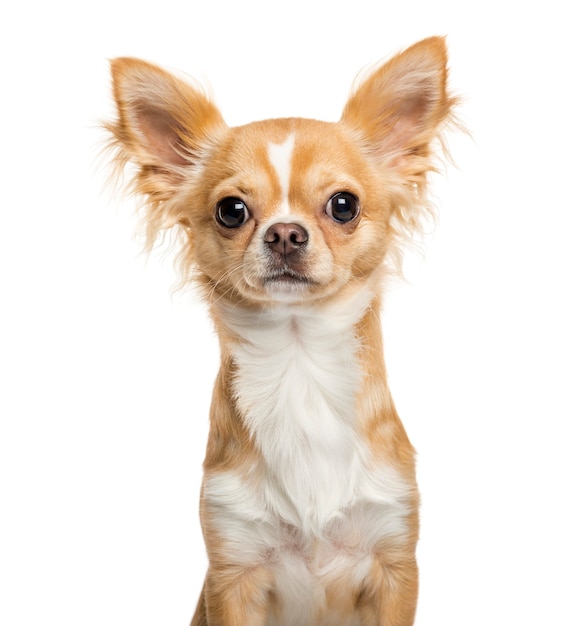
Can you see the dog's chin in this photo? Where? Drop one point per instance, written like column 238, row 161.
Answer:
column 288, row 285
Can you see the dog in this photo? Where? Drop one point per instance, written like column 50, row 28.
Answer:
column 309, row 503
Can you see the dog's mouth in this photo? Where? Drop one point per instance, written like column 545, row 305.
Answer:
column 286, row 279
column 286, row 276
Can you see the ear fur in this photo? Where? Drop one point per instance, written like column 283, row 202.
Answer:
column 398, row 113
column 400, row 108
column 164, row 126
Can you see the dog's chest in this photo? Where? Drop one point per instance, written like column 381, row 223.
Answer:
column 296, row 383
column 316, row 505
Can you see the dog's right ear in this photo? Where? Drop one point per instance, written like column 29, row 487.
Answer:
column 164, row 125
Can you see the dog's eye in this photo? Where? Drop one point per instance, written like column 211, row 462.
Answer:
column 343, row 207
column 232, row 212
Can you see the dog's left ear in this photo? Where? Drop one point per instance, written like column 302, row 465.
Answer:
column 401, row 107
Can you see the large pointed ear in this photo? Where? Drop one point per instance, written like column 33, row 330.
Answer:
column 402, row 106
column 164, row 125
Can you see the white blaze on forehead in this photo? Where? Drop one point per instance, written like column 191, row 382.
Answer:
column 280, row 157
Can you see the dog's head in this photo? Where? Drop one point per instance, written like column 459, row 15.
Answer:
column 289, row 210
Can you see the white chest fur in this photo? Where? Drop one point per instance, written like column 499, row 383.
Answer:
column 296, row 380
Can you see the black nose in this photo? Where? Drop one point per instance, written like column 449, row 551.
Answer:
column 286, row 238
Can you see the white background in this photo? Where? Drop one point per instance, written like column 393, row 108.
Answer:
column 105, row 377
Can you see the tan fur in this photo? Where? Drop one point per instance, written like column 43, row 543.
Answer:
column 381, row 151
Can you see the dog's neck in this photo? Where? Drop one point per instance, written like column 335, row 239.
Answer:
column 296, row 380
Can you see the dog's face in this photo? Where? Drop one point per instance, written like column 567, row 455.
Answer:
column 288, row 210
column 293, row 212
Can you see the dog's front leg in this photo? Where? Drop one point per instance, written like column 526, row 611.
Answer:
column 390, row 595
column 235, row 597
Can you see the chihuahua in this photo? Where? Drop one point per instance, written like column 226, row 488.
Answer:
column 309, row 504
